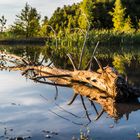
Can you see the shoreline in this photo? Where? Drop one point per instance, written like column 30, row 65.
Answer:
column 24, row 41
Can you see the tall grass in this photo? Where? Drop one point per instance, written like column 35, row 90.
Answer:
column 105, row 37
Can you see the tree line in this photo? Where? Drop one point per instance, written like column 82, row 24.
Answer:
column 117, row 15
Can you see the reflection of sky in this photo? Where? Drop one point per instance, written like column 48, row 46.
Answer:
column 22, row 108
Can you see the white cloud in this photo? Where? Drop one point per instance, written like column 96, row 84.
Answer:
column 10, row 8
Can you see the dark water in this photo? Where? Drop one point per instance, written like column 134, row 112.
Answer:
column 29, row 109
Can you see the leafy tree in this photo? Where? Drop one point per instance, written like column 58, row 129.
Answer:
column 132, row 9
column 65, row 19
column 27, row 22
column 83, row 22
column 128, row 25
column 118, row 16
column 44, row 27
column 2, row 23
column 121, row 23
column 96, row 12
column 87, row 8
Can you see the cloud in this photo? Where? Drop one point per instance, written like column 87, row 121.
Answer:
column 44, row 7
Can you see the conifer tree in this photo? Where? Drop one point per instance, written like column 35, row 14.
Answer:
column 118, row 16
column 27, row 22
column 87, row 8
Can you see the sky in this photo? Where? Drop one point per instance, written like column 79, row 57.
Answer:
column 10, row 8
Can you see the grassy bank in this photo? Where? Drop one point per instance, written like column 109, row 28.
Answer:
column 105, row 37
column 70, row 39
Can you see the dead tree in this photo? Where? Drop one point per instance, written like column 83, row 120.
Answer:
column 106, row 80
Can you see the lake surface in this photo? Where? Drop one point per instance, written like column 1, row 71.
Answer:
column 29, row 109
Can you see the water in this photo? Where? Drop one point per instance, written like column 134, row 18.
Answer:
column 30, row 109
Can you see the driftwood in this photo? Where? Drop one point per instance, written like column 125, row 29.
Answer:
column 105, row 86
column 106, row 80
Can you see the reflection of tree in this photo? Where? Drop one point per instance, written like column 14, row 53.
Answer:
column 2, row 23
column 114, row 110
column 120, row 61
column 31, row 53
column 106, row 93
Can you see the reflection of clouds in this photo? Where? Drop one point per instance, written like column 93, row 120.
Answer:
column 33, row 112
column 19, row 90
column 11, row 81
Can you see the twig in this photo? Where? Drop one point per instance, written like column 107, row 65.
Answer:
column 10, row 56
column 99, row 64
column 49, row 64
column 83, row 103
column 99, row 115
column 54, row 34
column 65, row 118
column 94, row 51
column 51, row 76
column 61, row 108
column 73, row 98
column 53, row 84
column 92, row 103
column 56, row 95
column 83, row 49
column 70, row 58
column 42, row 60
column 84, row 44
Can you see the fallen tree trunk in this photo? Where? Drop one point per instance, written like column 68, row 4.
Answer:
column 106, row 80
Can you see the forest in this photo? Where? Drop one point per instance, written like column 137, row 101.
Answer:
column 107, row 21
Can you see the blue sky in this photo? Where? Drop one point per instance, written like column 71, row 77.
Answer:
column 10, row 8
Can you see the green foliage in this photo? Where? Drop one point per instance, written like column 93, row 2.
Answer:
column 65, row 18
column 121, row 24
column 120, row 61
column 139, row 26
column 82, row 21
column 132, row 9
column 27, row 22
column 44, row 28
column 2, row 23
column 128, row 25
column 87, row 8
column 68, row 22
column 118, row 15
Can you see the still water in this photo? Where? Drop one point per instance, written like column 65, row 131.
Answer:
column 30, row 110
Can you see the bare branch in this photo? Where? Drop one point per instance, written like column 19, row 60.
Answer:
column 56, row 95
column 70, row 58
column 84, row 44
column 53, row 84
column 73, row 98
column 54, row 34
column 83, row 103
column 61, row 108
column 51, row 76
column 99, row 115
column 99, row 64
column 92, row 103
column 94, row 51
